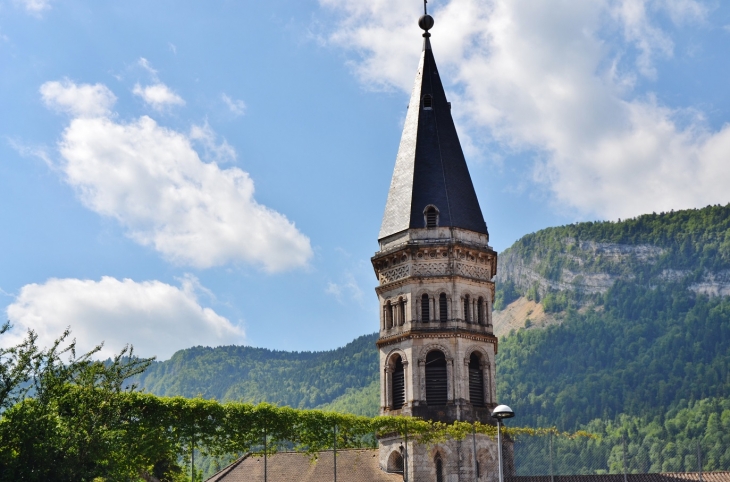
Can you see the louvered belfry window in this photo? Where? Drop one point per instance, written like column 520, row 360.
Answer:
column 443, row 307
column 399, row 387
column 436, row 386
column 476, row 381
column 427, row 102
column 431, row 217
column 466, row 309
column 402, row 311
column 424, row 308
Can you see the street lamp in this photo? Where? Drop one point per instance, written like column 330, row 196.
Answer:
column 500, row 413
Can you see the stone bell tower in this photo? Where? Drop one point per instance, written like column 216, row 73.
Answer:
column 435, row 270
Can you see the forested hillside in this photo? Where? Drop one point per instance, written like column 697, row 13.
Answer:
column 627, row 319
column 242, row 373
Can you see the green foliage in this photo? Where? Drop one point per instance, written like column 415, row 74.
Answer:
column 555, row 302
column 72, row 427
column 506, row 293
column 357, row 401
column 296, row 379
column 665, row 443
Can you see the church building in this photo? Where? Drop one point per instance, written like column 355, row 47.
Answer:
column 437, row 348
column 435, row 270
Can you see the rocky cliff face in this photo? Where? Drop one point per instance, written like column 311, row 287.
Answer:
column 582, row 261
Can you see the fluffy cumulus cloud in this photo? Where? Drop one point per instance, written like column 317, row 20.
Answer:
column 152, row 180
column 156, row 318
column 84, row 100
column 159, row 96
column 558, row 78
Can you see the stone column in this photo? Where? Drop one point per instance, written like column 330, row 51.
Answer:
column 450, row 379
column 387, row 388
column 418, row 381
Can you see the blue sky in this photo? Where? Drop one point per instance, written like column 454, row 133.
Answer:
column 184, row 173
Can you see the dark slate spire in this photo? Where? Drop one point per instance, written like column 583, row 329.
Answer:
column 430, row 168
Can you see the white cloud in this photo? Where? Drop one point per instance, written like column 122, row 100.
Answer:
column 213, row 150
column 146, row 65
column 35, row 6
column 347, row 288
column 158, row 96
column 237, row 107
column 155, row 317
column 83, row 100
column 552, row 77
column 151, row 180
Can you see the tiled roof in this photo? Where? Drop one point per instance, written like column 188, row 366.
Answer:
column 352, row 466
column 664, row 477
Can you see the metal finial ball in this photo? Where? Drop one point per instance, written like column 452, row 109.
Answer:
column 425, row 22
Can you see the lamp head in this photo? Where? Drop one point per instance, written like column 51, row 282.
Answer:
column 502, row 412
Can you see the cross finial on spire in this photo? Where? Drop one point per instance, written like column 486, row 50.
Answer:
column 425, row 12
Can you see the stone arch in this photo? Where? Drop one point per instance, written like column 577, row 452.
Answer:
column 391, row 355
column 395, row 462
column 434, row 346
column 488, row 465
column 481, row 352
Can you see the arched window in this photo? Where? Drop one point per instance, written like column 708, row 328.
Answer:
column 432, row 217
column 467, row 318
column 388, row 315
column 398, row 387
column 395, row 463
column 480, row 310
column 424, row 308
column 436, row 386
column 443, row 307
column 476, row 381
column 401, row 311
column 439, row 469
column 427, row 102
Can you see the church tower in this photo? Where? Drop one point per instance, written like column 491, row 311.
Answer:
column 435, row 270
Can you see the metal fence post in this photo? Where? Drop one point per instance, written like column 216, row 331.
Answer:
column 699, row 460
column 552, row 472
column 623, row 437
column 474, row 446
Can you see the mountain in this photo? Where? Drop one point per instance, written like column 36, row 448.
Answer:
column 628, row 317
column 596, row 321
column 297, row 379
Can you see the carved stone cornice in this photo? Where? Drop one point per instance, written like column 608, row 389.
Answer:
column 416, row 335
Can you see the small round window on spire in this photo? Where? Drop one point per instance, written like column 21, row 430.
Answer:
column 427, row 102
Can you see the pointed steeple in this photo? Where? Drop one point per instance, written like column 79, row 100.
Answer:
column 430, row 169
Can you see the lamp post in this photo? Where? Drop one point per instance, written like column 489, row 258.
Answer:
column 500, row 413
